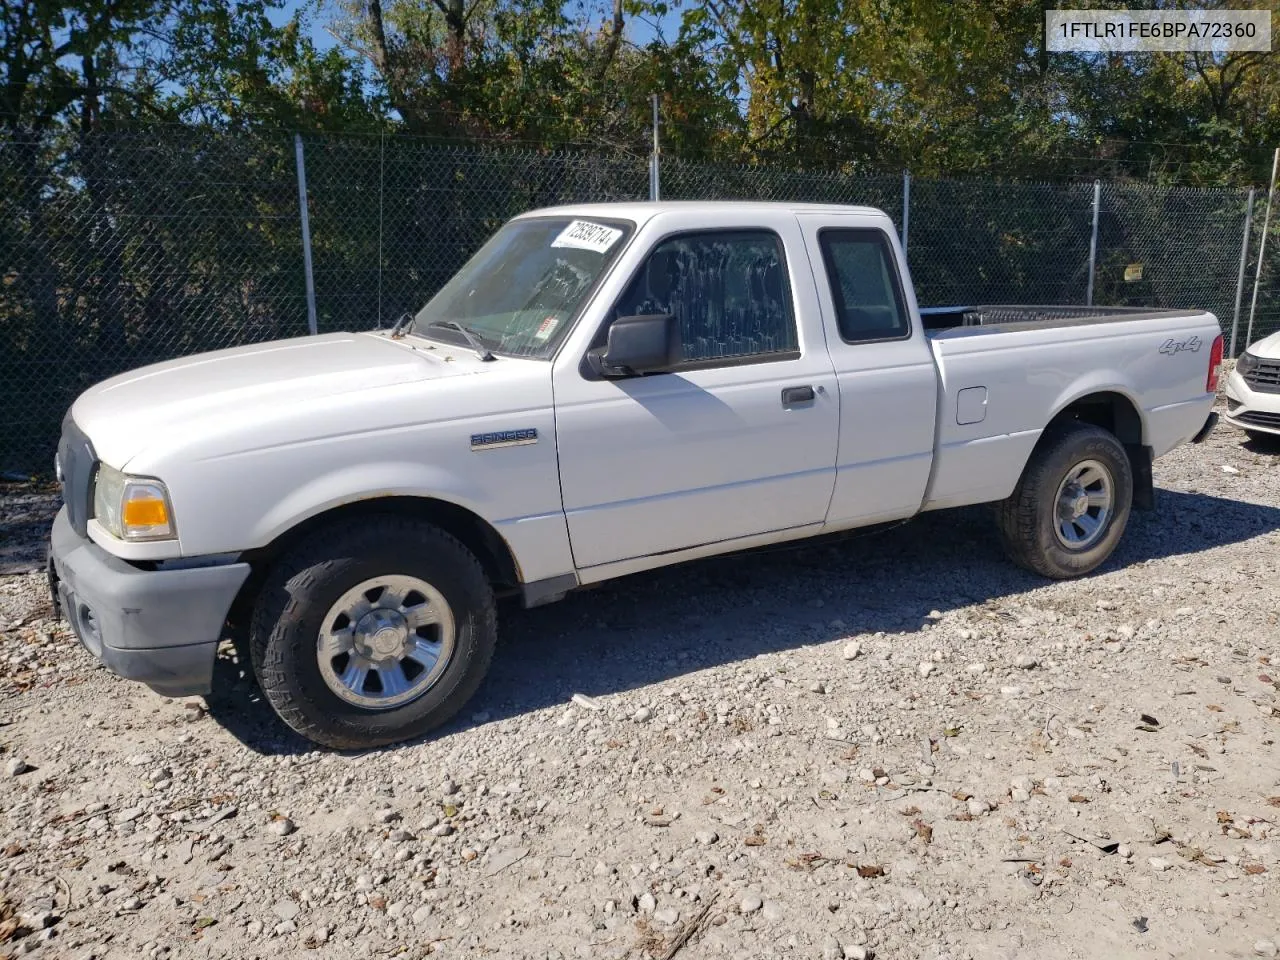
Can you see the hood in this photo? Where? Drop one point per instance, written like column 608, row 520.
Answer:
column 1268, row 348
column 123, row 415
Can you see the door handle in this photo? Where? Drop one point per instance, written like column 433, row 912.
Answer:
column 794, row 395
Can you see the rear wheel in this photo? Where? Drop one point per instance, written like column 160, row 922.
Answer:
column 1071, row 504
column 371, row 631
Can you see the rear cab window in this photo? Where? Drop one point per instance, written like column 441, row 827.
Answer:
column 865, row 287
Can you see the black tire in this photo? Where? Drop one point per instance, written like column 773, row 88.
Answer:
column 302, row 586
column 1027, row 519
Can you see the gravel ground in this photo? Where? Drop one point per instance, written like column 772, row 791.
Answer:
column 898, row 746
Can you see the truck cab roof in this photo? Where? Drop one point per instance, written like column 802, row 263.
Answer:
column 642, row 211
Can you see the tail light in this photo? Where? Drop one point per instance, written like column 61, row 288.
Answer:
column 1215, row 366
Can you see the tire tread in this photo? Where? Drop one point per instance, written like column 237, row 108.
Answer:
column 1018, row 516
column 299, row 574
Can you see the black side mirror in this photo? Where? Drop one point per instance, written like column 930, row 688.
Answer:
column 648, row 343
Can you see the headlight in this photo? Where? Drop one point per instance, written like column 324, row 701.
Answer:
column 132, row 508
column 1246, row 363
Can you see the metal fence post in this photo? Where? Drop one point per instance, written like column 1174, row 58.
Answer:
column 1262, row 247
column 1093, row 242
column 1244, row 256
column 654, row 191
column 306, row 234
column 382, row 176
column 906, row 207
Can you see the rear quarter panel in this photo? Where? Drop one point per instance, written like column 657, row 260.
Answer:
column 1160, row 365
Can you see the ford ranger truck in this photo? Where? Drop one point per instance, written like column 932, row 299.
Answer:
column 600, row 390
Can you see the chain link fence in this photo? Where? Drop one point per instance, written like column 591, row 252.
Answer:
column 122, row 249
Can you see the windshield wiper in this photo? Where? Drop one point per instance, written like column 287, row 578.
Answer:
column 481, row 350
column 403, row 325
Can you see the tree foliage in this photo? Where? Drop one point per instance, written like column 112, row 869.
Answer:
column 963, row 86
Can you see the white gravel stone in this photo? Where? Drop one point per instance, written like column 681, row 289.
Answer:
column 926, row 668
column 750, row 903
column 286, row 909
column 1265, row 948
column 852, row 649
column 16, row 767
column 1159, row 864
column 706, row 837
column 281, row 827
column 643, row 715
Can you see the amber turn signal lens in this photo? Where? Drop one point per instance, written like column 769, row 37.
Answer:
column 145, row 512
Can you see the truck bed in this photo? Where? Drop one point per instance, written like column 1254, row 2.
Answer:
column 1005, row 373
column 1011, row 317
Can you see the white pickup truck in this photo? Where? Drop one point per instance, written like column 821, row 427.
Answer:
column 601, row 389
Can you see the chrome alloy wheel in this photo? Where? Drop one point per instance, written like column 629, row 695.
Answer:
column 1084, row 503
column 386, row 641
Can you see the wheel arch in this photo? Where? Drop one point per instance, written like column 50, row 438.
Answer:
column 1111, row 409
column 469, row 528
column 1120, row 415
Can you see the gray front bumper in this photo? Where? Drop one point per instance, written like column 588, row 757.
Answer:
column 160, row 627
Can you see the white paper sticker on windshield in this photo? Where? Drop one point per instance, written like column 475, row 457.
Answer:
column 546, row 328
column 585, row 235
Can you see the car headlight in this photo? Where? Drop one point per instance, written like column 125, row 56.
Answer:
column 1246, row 363
column 132, row 508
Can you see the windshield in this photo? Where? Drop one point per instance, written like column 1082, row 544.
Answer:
column 519, row 293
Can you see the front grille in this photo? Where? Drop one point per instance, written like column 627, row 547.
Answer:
column 1265, row 377
column 1259, row 419
column 75, row 453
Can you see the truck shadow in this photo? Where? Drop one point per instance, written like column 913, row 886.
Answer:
column 653, row 627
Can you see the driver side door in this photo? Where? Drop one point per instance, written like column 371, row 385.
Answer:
column 738, row 439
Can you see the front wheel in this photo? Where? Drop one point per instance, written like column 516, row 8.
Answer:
column 372, row 630
column 1071, row 505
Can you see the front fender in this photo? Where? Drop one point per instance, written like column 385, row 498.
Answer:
column 360, row 482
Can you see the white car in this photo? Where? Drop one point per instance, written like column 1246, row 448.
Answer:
column 1253, row 390
column 601, row 389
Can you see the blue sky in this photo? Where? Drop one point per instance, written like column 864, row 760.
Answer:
column 639, row 31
